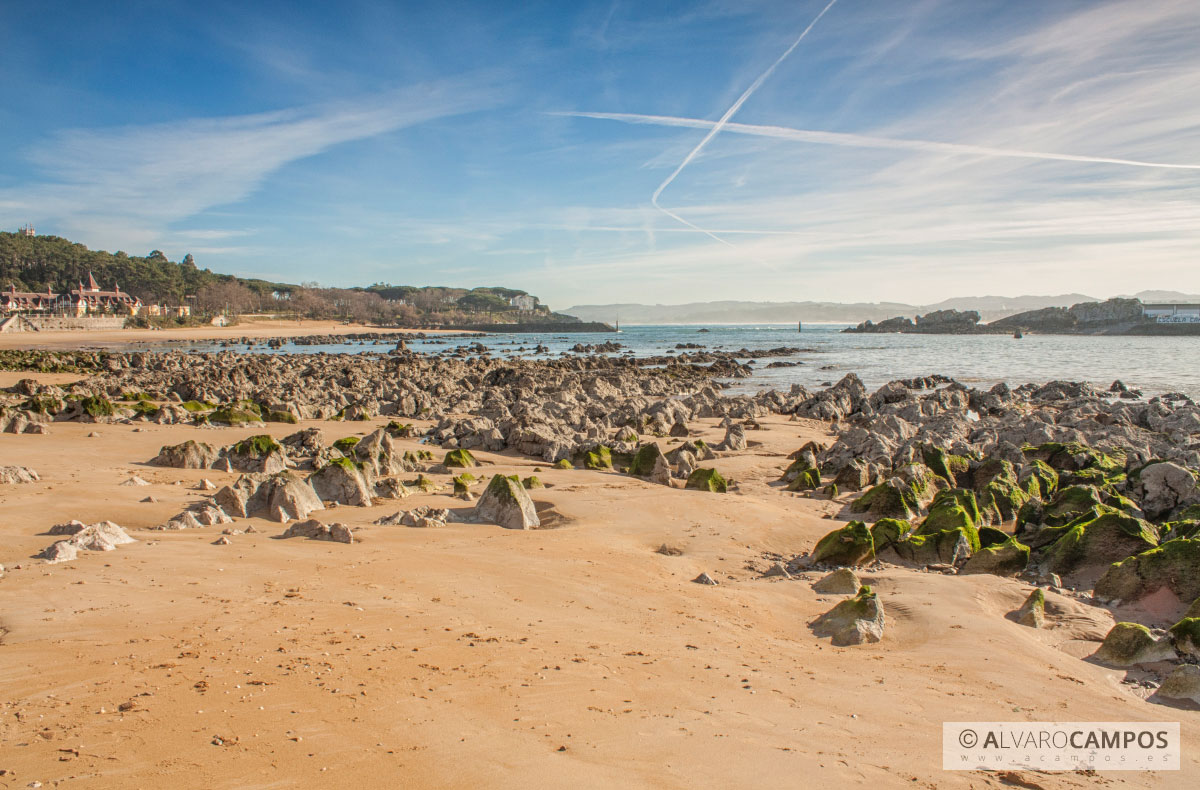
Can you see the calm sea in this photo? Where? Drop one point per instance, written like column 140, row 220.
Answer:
column 1152, row 364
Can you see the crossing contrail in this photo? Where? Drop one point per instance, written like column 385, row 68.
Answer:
column 719, row 125
column 865, row 141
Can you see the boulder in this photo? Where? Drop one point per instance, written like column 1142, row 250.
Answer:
column 341, row 481
column 1033, row 612
column 646, row 459
column 1004, row 559
column 735, row 438
column 1129, row 644
column 704, row 578
column 707, row 480
column 850, row 546
column 188, row 455
column 1162, row 487
column 315, row 530
column 102, row 536
column 10, row 475
column 1185, row 635
column 854, row 621
column 1104, row 540
column 260, row 454
column 286, row 496
column 888, row 531
column 506, row 503
column 1183, row 683
column 1174, row 565
column 937, row 548
column 843, row 581
column 460, row 459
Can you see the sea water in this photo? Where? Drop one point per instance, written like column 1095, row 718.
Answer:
column 1154, row 365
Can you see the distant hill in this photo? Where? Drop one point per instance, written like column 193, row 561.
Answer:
column 990, row 308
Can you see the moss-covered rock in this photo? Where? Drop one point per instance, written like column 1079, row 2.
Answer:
column 935, row 548
column 1005, row 559
column 463, row 482
column 279, row 416
column 1040, row 475
column 506, row 503
column 990, row 536
column 96, row 406
column 563, row 463
column 806, row 479
column 1101, row 541
column 1129, row 644
column 843, row 581
column 949, row 467
column 851, row 545
column 892, row 499
column 1174, row 565
column 1185, row 635
column 257, row 446
column 953, row 509
column 1033, row 612
column 345, row 445
column 532, row 482
column 1070, row 503
column 1072, row 457
column 598, row 458
column 424, row 484
column 887, row 531
column 645, row 459
column 707, row 480
column 460, row 459
column 1182, row 683
column 854, row 621
column 235, row 415
column 400, row 430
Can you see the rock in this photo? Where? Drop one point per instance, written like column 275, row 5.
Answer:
column 1004, row 559
column 309, row 441
column 315, row 530
column 1182, row 683
column 1129, row 644
column 893, row 499
column 949, row 548
column 460, row 459
column 1174, row 565
column 735, row 438
column 843, row 581
column 679, row 430
column 341, row 481
column 281, row 497
column 261, row 454
column 1033, row 612
column 661, row 473
column 135, row 481
column 1104, row 540
column 102, row 536
column 222, row 541
column 776, row 569
column 851, row 545
column 188, row 455
column 887, row 531
column 646, row 459
column 1185, row 635
column 506, row 503
column 1162, row 487
column 10, row 475
column 206, row 485
column 390, row 488
column 707, row 480
column 854, row 621
column 704, row 578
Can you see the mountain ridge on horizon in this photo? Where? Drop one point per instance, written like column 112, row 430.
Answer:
column 990, row 308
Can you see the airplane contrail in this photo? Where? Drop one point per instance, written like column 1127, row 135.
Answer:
column 865, row 141
column 719, row 125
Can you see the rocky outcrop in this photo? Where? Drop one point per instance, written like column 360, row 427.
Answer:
column 341, row 481
column 855, row 621
column 11, row 475
column 506, row 503
column 315, row 530
column 188, row 455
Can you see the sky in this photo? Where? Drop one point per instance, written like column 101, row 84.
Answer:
column 654, row 152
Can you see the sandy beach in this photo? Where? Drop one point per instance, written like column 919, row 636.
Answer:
column 473, row 655
column 128, row 338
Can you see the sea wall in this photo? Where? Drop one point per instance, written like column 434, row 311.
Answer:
column 545, row 328
column 62, row 323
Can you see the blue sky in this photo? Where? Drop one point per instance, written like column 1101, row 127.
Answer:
column 907, row 151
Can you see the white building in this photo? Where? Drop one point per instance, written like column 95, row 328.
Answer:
column 1172, row 313
column 524, row 302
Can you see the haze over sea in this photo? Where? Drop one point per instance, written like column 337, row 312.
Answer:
column 1154, row 365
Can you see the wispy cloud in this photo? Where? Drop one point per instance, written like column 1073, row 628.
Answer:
column 867, row 141
column 136, row 180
